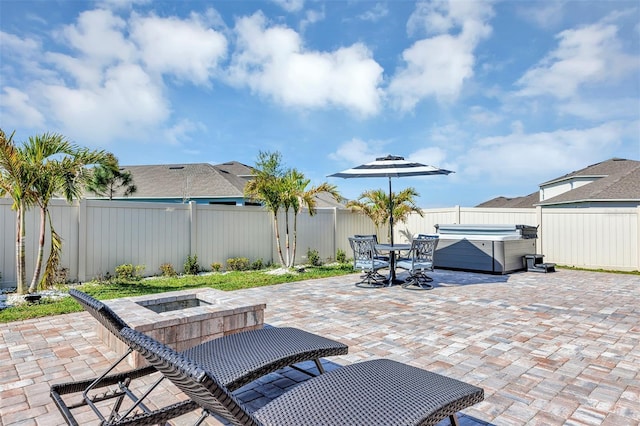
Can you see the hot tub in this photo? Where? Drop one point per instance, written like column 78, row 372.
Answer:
column 497, row 249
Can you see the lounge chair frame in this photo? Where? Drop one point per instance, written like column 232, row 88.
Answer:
column 369, row 392
column 237, row 359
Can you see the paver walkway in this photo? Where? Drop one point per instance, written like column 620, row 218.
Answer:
column 548, row 349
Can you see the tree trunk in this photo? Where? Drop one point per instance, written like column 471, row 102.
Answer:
column 295, row 238
column 275, row 221
column 21, row 281
column 286, row 240
column 38, row 268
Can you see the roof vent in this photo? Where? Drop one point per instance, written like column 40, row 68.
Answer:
column 176, row 167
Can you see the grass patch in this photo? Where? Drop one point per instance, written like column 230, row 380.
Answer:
column 123, row 288
column 610, row 271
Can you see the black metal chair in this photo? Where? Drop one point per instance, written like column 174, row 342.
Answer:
column 364, row 259
column 377, row 392
column 423, row 248
column 236, row 359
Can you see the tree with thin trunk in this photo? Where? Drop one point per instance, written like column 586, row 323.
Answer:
column 265, row 187
column 16, row 182
column 298, row 196
column 108, row 180
column 376, row 205
column 44, row 167
column 277, row 188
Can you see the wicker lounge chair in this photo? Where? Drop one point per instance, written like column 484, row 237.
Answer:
column 378, row 392
column 236, row 359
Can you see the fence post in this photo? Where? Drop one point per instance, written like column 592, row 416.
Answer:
column 540, row 230
column 193, row 227
column 638, row 239
column 335, row 232
column 457, row 213
column 82, row 240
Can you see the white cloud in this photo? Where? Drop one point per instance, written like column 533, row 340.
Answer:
column 537, row 156
column 290, row 5
column 126, row 105
column 178, row 134
column 356, row 152
column 439, row 66
column 99, row 37
column 273, row 62
column 18, row 109
column 431, row 156
column 584, row 56
column 481, row 115
column 601, row 109
column 186, row 49
column 377, row 12
column 311, row 17
column 544, row 14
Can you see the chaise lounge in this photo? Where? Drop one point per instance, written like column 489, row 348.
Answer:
column 376, row 392
column 235, row 359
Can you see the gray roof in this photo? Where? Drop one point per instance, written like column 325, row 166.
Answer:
column 619, row 180
column 198, row 180
column 527, row 201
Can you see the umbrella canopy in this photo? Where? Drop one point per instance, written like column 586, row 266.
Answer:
column 390, row 166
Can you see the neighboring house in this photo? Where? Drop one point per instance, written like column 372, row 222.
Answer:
column 202, row 183
column 611, row 183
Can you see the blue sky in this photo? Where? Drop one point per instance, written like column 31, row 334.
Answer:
column 508, row 94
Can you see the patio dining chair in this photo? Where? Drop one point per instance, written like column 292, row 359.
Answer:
column 423, row 248
column 236, row 359
column 377, row 255
column 375, row 392
column 364, row 259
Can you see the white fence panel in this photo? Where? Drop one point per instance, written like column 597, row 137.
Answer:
column 415, row 224
column 493, row 216
column 604, row 238
column 224, row 232
column 349, row 224
column 149, row 234
column 100, row 235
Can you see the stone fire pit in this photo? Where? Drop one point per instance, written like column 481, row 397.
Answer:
column 182, row 319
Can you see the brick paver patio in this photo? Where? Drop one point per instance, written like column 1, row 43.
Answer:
column 548, row 349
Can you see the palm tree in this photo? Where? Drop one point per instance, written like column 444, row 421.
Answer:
column 266, row 187
column 16, row 182
column 376, row 205
column 296, row 197
column 277, row 188
column 107, row 180
column 46, row 166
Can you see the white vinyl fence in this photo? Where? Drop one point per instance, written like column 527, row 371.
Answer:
column 99, row 235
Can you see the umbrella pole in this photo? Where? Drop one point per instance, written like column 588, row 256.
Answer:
column 391, row 212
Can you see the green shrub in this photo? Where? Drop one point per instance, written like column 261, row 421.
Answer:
column 238, row 264
column 341, row 256
column 168, row 270
column 191, row 266
column 127, row 271
column 216, row 266
column 257, row 265
column 314, row 257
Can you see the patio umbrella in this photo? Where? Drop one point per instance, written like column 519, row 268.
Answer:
column 390, row 166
